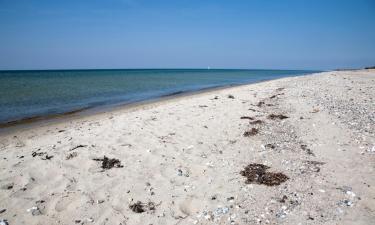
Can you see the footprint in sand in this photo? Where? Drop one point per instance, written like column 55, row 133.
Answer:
column 65, row 201
column 190, row 206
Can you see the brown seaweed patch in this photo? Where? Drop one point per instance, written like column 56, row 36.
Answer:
column 253, row 131
column 108, row 163
column 277, row 116
column 257, row 173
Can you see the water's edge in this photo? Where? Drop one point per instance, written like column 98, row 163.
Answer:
column 87, row 111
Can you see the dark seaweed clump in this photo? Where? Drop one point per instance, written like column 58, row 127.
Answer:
column 140, row 207
column 257, row 173
column 277, row 116
column 108, row 163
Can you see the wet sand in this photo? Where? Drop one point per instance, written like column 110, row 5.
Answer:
column 296, row 150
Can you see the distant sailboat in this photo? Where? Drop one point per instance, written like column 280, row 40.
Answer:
column 208, row 67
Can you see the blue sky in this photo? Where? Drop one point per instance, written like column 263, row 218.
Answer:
column 300, row 34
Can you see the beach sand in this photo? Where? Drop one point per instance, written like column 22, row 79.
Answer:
column 181, row 159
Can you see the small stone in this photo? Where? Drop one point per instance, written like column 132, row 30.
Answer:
column 4, row 222
column 34, row 211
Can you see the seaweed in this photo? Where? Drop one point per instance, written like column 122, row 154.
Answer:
column 253, row 131
column 271, row 146
column 257, row 173
column 108, row 163
column 260, row 104
column 256, row 122
column 71, row 155
column 277, row 116
column 308, row 151
column 140, row 207
column 78, row 146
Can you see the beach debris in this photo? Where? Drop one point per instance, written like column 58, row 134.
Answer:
column 271, row 146
column 345, row 202
column 41, row 154
column 274, row 96
column 203, row 106
column 314, row 165
column 90, row 220
column 247, row 117
column 2, row 210
column 308, row 151
column 7, row 186
column 140, row 207
column 181, row 173
column 71, row 155
column 283, row 199
column 230, row 96
column 315, row 110
column 345, row 189
column 33, row 154
column 257, row 173
column 108, row 163
column 280, row 89
column 4, row 222
column 47, row 157
column 281, row 214
column 277, row 116
column 78, row 146
column 221, row 210
column 253, row 131
column 256, row 122
column 260, row 104
column 35, row 211
column 372, row 150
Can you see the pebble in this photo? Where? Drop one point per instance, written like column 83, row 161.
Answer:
column 90, row 220
column 3, row 222
column 221, row 210
column 34, row 211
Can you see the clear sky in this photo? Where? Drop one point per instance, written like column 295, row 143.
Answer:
column 299, row 34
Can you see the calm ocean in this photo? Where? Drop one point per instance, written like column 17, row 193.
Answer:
column 25, row 94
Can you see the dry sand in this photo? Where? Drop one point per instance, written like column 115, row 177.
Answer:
column 182, row 159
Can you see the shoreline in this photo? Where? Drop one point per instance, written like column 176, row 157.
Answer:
column 30, row 122
column 197, row 159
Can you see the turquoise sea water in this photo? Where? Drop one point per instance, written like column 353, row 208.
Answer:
column 25, row 94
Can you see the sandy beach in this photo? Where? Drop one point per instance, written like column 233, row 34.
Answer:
column 297, row 150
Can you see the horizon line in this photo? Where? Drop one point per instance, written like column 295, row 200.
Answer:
column 149, row 68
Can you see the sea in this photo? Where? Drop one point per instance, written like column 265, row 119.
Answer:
column 26, row 94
